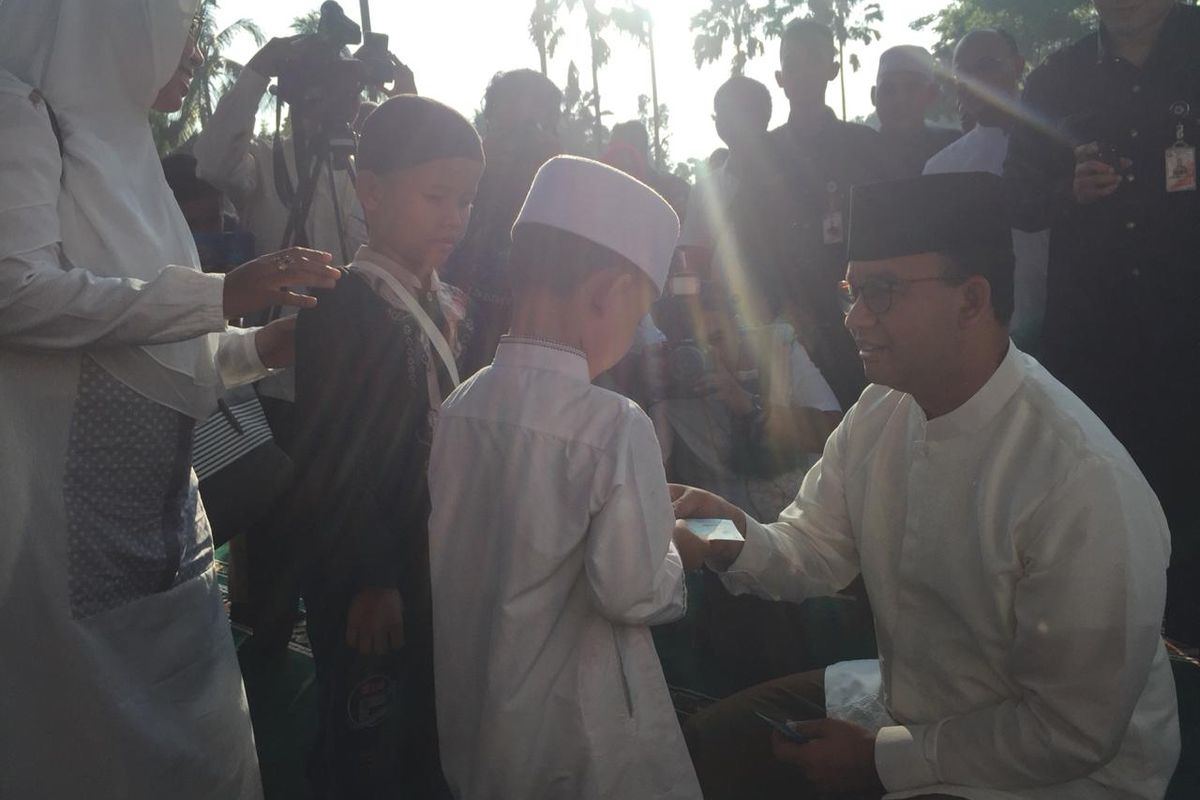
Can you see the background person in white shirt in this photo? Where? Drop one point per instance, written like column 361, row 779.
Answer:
column 988, row 69
column 551, row 534
column 1014, row 555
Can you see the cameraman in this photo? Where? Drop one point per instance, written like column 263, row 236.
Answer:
column 230, row 158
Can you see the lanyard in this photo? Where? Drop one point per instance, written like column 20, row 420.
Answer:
column 427, row 325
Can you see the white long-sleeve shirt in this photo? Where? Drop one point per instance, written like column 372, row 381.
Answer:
column 550, row 552
column 46, row 304
column 1015, row 558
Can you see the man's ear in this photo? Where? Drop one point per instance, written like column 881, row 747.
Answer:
column 977, row 300
column 834, row 69
column 874, row 102
column 779, row 79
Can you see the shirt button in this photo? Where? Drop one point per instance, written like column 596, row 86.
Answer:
column 1135, row 272
column 1136, row 88
column 1130, row 225
column 1133, row 134
column 1130, row 177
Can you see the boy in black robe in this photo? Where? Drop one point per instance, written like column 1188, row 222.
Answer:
column 374, row 361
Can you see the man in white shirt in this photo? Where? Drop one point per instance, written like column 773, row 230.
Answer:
column 1014, row 555
column 550, row 540
column 988, row 69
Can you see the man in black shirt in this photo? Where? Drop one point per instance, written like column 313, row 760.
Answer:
column 1111, row 169
column 904, row 92
column 791, row 217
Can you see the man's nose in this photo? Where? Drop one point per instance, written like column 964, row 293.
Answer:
column 858, row 316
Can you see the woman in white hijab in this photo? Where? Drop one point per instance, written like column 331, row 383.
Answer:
column 118, row 677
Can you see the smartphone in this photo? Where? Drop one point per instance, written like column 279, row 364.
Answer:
column 785, row 730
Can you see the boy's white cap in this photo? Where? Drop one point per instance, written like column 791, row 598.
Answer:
column 906, row 58
column 605, row 206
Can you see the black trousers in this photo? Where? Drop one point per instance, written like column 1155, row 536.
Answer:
column 377, row 734
column 731, row 747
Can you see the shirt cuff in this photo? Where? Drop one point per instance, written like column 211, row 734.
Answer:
column 203, row 291
column 756, row 553
column 901, row 760
column 238, row 362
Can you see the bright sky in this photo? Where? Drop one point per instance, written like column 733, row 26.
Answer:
column 455, row 47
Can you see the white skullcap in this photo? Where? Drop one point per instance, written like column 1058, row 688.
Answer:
column 906, row 58
column 605, row 206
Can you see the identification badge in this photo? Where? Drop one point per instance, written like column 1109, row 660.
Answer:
column 1181, row 168
column 833, row 232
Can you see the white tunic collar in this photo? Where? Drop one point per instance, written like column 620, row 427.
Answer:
column 977, row 412
column 407, row 279
column 531, row 353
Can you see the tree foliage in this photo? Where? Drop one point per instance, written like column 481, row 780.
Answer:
column 581, row 132
column 1039, row 26
column 645, row 108
column 746, row 25
column 595, row 22
column 544, row 30
column 734, row 21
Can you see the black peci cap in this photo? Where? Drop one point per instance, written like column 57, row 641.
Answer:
column 952, row 212
column 409, row 130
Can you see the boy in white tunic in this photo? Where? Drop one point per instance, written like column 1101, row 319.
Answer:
column 551, row 534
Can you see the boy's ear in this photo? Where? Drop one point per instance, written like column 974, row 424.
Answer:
column 367, row 186
column 604, row 290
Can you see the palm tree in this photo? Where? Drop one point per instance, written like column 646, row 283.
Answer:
column 637, row 22
column 544, row 29
column 728, row 19
column 307, row 22
column 596, row 23
column 838, row 15
column 211, row 80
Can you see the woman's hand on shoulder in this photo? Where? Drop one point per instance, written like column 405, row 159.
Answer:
column 270, row 280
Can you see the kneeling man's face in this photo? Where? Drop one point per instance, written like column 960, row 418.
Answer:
column 904, row 318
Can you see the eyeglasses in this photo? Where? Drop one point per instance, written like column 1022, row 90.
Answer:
column 879, row 293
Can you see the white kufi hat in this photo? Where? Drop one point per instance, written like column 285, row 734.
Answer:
column 605, row 206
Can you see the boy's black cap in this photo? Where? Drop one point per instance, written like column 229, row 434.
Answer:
column 409, row 130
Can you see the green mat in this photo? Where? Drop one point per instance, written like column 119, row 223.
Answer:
column 281, row 689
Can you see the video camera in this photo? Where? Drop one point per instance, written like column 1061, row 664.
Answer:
column 323, row 83
column 689, row 359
